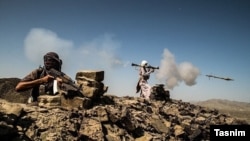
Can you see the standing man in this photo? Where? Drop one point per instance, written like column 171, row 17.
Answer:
column 40, row 78
column 144, row 75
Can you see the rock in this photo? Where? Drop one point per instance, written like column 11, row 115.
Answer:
column 90, row 92
column 91, row 81
column 178, row 130
column 62, row 100
column 90, row 74
column 159, row 125
column 91, row 129
column 159, row 93
column 48, row 100
column 113, row 119
column 107, row 118
column 76, row 102
column 145, row 137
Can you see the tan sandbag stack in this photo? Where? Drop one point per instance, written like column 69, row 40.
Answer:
column 92, row 83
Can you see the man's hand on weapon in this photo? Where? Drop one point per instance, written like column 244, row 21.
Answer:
column 59, row 81
column 150, row 70
column 47, row 78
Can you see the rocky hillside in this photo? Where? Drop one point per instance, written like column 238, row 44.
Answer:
column 236, row 109
column 7, row 91
column 109, row 118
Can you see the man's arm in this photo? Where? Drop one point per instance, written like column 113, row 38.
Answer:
column 24, row 85
column 151, row 70
column 147, row 72
column 63, row 78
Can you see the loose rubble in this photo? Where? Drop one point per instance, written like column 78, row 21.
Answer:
column 102, row 117
column 112, row 118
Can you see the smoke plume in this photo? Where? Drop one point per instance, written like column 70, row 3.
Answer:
column 39, row 41
column 99, row 52
column 172, row 74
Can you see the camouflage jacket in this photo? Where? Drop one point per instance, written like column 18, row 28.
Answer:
column 36, row 74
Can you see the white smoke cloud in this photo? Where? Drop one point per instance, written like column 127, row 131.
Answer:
column 39, row 41
column 100, row 52
column 188, row 73
column 172, row 73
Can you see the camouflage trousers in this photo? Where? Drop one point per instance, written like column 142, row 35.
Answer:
column 145, row 90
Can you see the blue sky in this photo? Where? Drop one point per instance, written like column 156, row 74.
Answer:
column 187, row 39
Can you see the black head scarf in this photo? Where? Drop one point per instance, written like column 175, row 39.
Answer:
column 52, row 60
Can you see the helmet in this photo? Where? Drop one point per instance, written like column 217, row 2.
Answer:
column 144, row 63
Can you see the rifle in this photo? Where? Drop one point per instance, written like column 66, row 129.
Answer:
column 67, row 83
column 149, row 66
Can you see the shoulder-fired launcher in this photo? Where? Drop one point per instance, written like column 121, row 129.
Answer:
column 149, row 66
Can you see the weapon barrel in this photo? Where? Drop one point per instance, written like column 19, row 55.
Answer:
column 133, row 64
column 153, row 67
